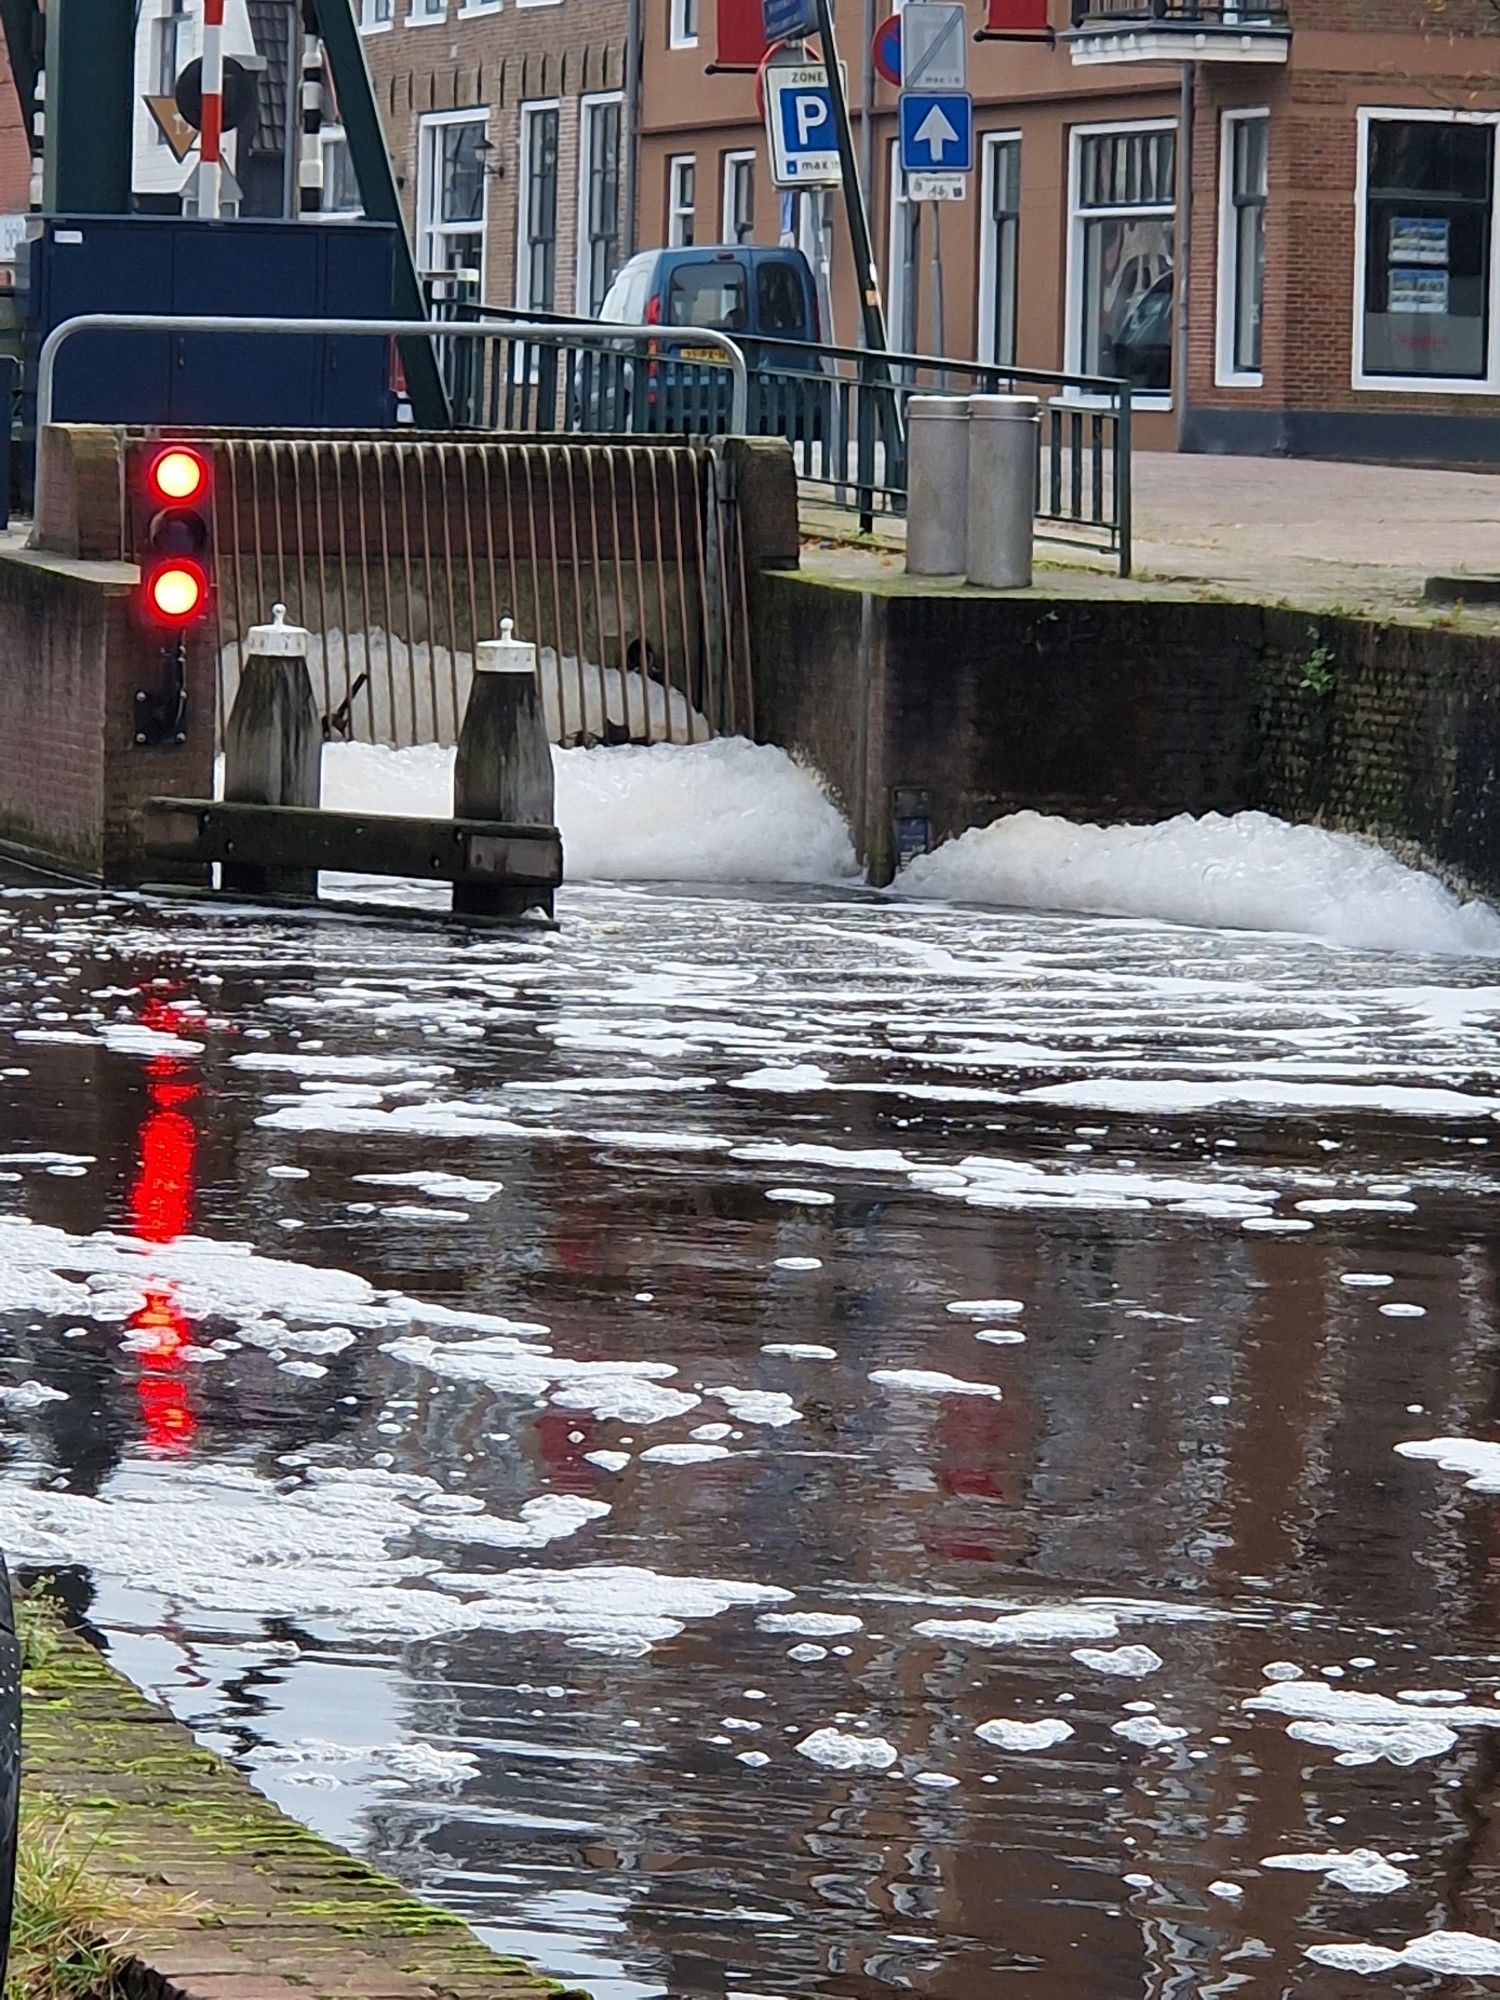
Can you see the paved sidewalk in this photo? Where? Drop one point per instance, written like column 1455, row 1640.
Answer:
column 1355, row 537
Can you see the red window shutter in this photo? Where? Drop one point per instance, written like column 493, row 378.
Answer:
column 1016, row 17
column 742, row 35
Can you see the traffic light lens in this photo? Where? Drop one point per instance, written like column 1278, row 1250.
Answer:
column 177, row 592
column 179, row 474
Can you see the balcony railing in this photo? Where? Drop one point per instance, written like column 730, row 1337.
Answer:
column 1193, row 15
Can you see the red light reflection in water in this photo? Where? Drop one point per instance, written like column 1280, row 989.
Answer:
column 161, row 1210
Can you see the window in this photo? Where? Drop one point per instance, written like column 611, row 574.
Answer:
column 377, row 13
column 716, row 294
column 1427, row 215
column 340, row 186
column 1242, row 245
column 166, row 50
column 779, row 303
column 1000, row 226
column 739, row 198
column 598, row 201
column 422, row 11
column 452, row 150
column 536, row 275
column 682, row 199
column 682, row 24
column 1120, row 289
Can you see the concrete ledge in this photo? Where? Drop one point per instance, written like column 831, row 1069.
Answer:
column 261, row 1909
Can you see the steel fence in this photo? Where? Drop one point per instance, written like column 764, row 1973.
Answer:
column 400, row 552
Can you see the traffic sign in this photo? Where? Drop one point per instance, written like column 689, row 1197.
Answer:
column 937, row 187
column 937, row 132
column 885, row 50
column 787, row 19
column 799, row 126
column 934, row 46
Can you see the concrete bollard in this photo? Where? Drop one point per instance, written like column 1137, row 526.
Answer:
column 503, row 769
column 273, row 745
column 1002, row 490
column 937, row 485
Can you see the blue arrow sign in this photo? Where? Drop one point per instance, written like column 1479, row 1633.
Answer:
column 937, row 132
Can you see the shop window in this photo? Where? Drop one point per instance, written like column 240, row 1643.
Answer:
column 1428, row 206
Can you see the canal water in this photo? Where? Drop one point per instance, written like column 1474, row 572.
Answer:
column 778, row 1442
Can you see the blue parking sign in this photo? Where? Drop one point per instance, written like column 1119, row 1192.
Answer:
column 800, row 128
column 784, row 20
column 937, row 132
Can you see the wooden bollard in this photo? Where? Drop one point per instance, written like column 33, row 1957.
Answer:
column 503, row 770
column 273, row 745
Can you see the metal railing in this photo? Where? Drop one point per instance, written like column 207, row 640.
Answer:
column 842, row 409
column 399, row 552
column 1189, row 14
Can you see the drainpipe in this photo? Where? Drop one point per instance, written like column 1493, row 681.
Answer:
column 632, row 135
column 1184, row 257
column 867, row 109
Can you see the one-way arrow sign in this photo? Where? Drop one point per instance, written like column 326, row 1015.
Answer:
column 937, row 132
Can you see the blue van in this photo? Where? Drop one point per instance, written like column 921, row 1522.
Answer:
column 763, row 297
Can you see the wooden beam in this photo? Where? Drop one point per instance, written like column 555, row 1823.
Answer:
column 472, row 851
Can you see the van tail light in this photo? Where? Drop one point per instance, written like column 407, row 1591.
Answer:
column 653, row 309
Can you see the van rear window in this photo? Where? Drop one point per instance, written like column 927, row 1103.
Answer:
column 778, row 295
column 716, row 295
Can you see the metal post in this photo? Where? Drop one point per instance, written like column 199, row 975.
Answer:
column 866, row 276
column 630, row 138
column 937, row 282
column 867, row 108
column 1182, row 263
column 211, row 130
column 90, row 107
column 1123, row 521
column 381, row 201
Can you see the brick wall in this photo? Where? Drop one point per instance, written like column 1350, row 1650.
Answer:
column 1151, row 709
column 495, row 61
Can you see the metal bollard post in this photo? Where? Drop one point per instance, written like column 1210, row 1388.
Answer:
column 273, row 745
column 503, row 770
column 937, row 485
column 1002, row 490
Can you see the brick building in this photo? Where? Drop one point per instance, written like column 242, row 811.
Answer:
column 506, row 124
column 1324, row 177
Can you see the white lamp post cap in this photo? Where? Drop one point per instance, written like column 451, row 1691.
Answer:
column 507, row 654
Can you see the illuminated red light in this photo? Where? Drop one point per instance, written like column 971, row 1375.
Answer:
column 177, row 591
column 178, row 474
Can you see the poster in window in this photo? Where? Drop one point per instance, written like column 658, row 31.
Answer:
column 1418, row 291
column 1419, row 239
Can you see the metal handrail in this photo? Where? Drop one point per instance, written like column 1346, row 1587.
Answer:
column 533, row 332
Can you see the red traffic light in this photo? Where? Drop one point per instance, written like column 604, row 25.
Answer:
column 176, row 591
column 178, row 475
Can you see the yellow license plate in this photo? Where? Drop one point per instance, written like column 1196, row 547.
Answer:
column 701, row 354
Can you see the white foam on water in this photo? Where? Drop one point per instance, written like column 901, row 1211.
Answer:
column 1148, row 1730
column 932, row 1382
column 837, row 1750
column 1361, row 1871
column 799, row 1350
column 551, row 1517
column 1247, row 872
column 608, row 1461
column 757, row 1406
column 725, row 811
column 441, row 1187
column 1022, row 1628
column 1367, row 1728
column 1459, row 1954
column 683, row 1454
column 1132, row 1663
column 31, row 1396
column 1478, row 1461
column 1007, row 1734
column 798, row 1263
column 986, row 1308
column 628, row 1391
column 1227, row 1892
column 811, row 1624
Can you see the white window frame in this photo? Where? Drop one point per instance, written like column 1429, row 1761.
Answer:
column 1487, row 384
column 470, row 7
column 586, row 105
column 1226, row 304
column 675, row 209
column 429, row 224
column 432, row 13
column 984, row 333
column 1141, row 399
column 371, row 23
column 528, row 113
column 329, row 137
column 679, row 34
column 742, row 156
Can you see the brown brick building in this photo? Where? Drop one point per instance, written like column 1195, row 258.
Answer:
column 1282, row 226
column 506, row 124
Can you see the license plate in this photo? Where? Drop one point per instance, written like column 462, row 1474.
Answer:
column 701, row 354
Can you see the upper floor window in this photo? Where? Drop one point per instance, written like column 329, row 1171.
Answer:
column 682, row 24
column 598, row 201
column 377, row 13
column 682, row 199
column 451, row 181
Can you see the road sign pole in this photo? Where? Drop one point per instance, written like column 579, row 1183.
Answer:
column 866, row 277
column 211, row 131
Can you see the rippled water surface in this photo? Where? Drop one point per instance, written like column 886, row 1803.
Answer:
column 765, row 1444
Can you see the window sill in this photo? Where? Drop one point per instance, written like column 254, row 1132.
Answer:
column 1239, row 381
column 480, row 7
column 684, row 45
column 1080, row 399
column 1425, row 385
column 376, row 27
column 426, row 20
